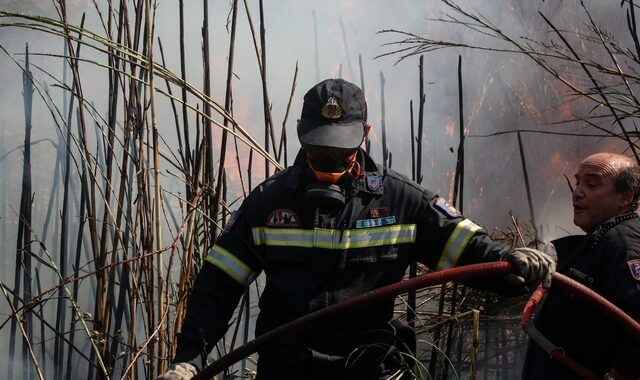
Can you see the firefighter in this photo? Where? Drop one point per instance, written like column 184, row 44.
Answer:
column 333, row 226
column 607, row 260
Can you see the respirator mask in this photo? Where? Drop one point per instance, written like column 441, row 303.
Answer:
column 332, row 169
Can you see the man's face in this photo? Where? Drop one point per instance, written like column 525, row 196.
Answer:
column 595, row 198
column 329, row 160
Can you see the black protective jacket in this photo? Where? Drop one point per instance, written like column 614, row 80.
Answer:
column 608, row 262
column 314, row 257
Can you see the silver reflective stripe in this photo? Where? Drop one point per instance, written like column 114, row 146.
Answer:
column 231, row 265
column 334, row 239
column 457, row 242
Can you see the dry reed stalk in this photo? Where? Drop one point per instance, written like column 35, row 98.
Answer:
column 208, row 132
column 383, row 127
column 23, row 241
column 62, row 281
column 283, row 136
column 261, row 57
column 525, row 174
column 187, row 155
column 158, row 197
column 269, row 135
column 458, row 194
column 416, row 173
column 64, row 216
column 346, row 51
column 228, row 100
column 475, row 344
column 458, row 201
column 91, row 201
column 23, row 332
column 367, row 141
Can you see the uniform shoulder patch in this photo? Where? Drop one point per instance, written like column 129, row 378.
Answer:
column 283, row 217
column 634, row 267
column 232, row 220
column 373, row 181
column 446, row 207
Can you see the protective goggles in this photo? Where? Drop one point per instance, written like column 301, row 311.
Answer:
column 329, row 159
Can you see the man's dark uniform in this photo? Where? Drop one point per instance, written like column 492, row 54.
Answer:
column 608, row 262
column 314, row 257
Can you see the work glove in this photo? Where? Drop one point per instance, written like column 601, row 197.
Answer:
column 531, row 266
column 179, row 371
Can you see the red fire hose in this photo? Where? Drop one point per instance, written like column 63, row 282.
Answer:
column 628, row 324
column 375, row 296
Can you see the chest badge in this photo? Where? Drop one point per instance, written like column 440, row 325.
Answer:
column 634, row 267
column 374, row 182
column 379, row 212
column 378, row 222
column 283, row 218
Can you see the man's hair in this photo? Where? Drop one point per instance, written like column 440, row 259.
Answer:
column 628, row 177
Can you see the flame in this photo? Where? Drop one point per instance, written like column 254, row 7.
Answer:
column 557, row 163
column 449, row 127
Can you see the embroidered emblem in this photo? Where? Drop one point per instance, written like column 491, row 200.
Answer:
column 331, row 109
column 232, row 220
column 283, row 218
column 380, row 212
column 373, row 182
column 368, row 223
column 446, row 207
column 634, row 267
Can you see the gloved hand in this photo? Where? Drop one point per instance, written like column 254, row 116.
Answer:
column 179, row 371
column 531, row 266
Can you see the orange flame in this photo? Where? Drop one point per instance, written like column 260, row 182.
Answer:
column 449, row 127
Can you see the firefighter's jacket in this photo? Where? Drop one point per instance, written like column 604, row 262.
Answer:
column 313, row 258
column 608, row 262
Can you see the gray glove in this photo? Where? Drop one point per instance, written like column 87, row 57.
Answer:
column 531, row 266
column 179, row 371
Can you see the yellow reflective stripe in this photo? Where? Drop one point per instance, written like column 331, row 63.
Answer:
column 334, row 239
column 231, row 265
column 283, row 237
column 457, row 242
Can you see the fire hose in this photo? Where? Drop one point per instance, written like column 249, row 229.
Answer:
column 462, row 273
column 628, row 324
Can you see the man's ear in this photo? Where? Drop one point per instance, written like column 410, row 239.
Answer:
column 367, row 128
column 626, row 199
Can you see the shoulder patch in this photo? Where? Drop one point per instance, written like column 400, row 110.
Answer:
column 634, row 267
column 444, row 206
column 283, row 217
column 232, row 220
column 373, row 181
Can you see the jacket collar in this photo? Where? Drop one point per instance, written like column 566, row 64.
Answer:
column 569, row 248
